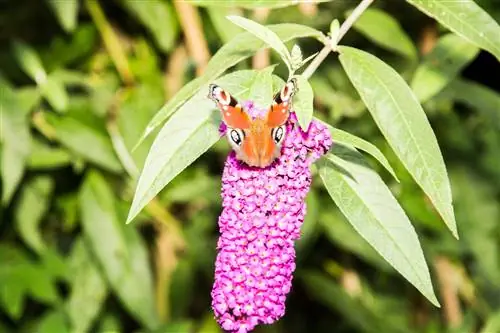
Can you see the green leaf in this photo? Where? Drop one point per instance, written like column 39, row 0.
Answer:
column 32, row 206
column 239, row 48
column 88, row 288
column 49, row 86
column 66, row 12
column 15, row 138
column 385, row 31
column 79, row 136
column 466, row 19
column 350, row 140
column 265, row 34
column 370, row 207
column 250, row 3
column 404, row 124
column 303, row 102
column 47, row 157
column 119, row 250
column 448, row 58
column 158, row 17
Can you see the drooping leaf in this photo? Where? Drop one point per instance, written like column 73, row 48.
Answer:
column 404, row 124
column 385, row 30
column 350, row 140
column 370, row 207
column 79, row 136
column 303, row 102
column 29, row 212
column 450, row 55
column 159, row 18
column 88, row 288
column 250, row 3
column 119, row 250
column 465, row 18
column 239, row 48
column 265, row 34
column 187, row 135
column 66, row 12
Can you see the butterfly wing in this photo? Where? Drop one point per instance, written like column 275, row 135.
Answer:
column 279, row 110
column 233, row 114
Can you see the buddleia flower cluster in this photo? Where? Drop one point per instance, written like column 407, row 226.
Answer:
column 263, row 210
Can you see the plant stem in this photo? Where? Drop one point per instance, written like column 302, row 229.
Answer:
column 331, row 45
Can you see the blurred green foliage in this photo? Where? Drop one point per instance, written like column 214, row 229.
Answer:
column 81, row 80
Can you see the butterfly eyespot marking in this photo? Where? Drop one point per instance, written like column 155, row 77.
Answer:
column 236, row 136
column 278, row 133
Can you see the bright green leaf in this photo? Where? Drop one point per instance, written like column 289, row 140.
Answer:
column 159, row 18
column 466, row 19
column 261, row 87
column 66, row 12
column 88, row 288
column 303, row 102
column 385, row 30
column 404, row 124
column 119, row 250
column 370, row 207
column 447, row 59
column 33, row 204
column 239, row 48
column 54, row 321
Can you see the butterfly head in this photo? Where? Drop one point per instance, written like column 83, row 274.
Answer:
column 256, row 141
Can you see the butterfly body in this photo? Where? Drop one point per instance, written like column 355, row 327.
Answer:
column 256, row 141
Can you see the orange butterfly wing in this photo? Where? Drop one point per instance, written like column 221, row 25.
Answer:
column 233, row 114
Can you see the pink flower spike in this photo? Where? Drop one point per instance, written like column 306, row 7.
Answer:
column 263, row 210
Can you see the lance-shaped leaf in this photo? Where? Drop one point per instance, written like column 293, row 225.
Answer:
column 189, row 133
column 239, row 48
column 466, row 19
column 119, row 250
column 450, row 55
column 404, row 124
column 29, row 212
column 370, row 207
column 265, row 34
column 88, row 288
